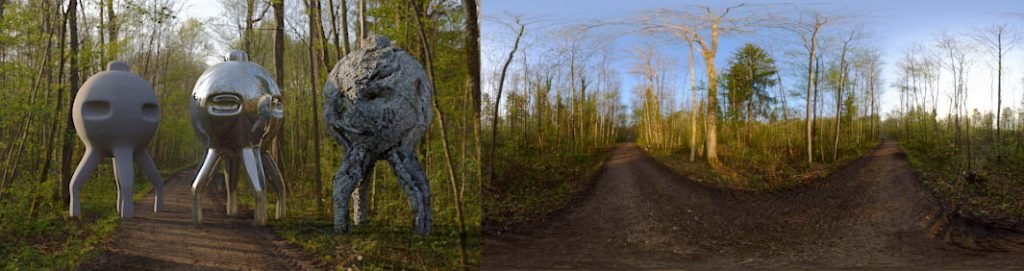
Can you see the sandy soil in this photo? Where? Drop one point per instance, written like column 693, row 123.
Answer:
column 872, row 214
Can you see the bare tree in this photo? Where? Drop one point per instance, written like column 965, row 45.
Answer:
column 848, row 40
column 497, row 97
column 808, row 32
column 704, row 28
column 1000, row 39
column 693, row 101
column 959, row 55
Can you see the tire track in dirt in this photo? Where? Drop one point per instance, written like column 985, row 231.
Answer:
column 169, row 241
column 640, row 215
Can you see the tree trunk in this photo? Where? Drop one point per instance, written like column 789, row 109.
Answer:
column 362, row 21
column 839, row 101
column 334, row 28
column 112, row 35
column 999, row 91
column 69, row 128
column 325, row 56
column 693, row 102
column 279, row 44
column 712, row 114
column 344, row 28
column 497, row 102
column 472, row 45
column 444, row 139
column 810, row 98
column 247, row 36
column 315, row 120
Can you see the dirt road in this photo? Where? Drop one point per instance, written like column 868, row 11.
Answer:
column 169, row 241
column 640, row 215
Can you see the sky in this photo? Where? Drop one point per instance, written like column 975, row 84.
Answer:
column 892, row 26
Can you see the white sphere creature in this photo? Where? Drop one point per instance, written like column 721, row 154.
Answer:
column 116, row 115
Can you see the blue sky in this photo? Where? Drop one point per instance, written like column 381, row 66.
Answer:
column 892, row 26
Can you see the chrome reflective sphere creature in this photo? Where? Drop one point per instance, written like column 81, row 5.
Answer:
column 116, row 114
column 236, row 109
column 377, row 106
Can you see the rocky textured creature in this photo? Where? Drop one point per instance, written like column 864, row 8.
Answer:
column 236, row 108
column 377, row 106
column 116, row 114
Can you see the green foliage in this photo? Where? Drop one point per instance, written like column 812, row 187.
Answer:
column 379, row 247
column 972, row 171
column 38, row 234
column 530, row 185
column 750, row 73
column 769, row 156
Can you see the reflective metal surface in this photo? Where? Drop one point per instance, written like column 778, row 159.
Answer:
column 236, row 111
column 116, row 114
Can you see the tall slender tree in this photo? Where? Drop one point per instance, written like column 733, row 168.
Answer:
column 279, row 38
column 1000, row 39
column 67, row 148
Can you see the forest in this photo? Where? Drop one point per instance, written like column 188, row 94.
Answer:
column 799, row 96
column 48, row 48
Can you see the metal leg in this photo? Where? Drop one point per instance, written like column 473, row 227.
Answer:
column 231, row 185
column 85, row 169
column 252, row 168
column 276, row 182
column 212, row 158
column 145, row 162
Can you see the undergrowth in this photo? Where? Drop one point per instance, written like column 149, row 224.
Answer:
column 531, row 184
column 36, row 232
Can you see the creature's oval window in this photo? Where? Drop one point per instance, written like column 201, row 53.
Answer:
column 150, row 112
column 96, row 110
column 225, row 104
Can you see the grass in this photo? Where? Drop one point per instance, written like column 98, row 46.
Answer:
column 766, row 161
column 37, row 233
column 992, row 190
column 529, row 188
column 387, row 241
column 379, row 246
column 746, row 170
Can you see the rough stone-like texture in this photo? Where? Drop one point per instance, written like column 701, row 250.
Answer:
column 377, row 106
column 116, row 114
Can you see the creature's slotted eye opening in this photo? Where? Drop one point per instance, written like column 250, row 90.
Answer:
column 371, row 95
column 225, row 104
column 150, row 112
column 96, row 110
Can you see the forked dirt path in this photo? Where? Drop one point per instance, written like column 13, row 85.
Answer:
column 873, row 213
column 169, row 241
